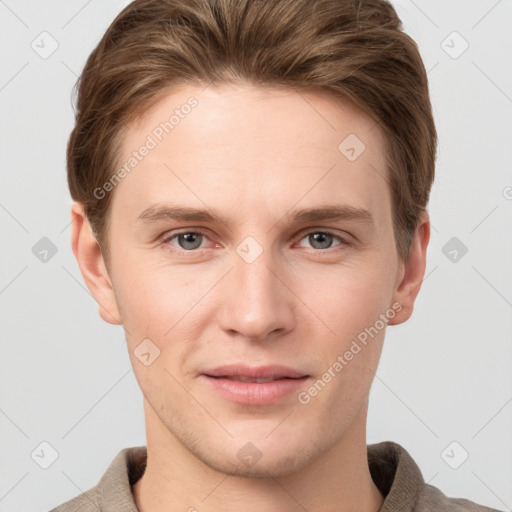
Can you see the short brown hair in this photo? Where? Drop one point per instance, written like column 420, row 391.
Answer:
column 354, row 49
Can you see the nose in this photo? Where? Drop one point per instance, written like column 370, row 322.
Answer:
column 258, row 304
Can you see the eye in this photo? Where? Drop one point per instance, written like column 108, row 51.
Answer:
column 322, row 240
column 191, row 241
column 187, row 241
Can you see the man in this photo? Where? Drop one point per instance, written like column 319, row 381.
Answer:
column 251, row 181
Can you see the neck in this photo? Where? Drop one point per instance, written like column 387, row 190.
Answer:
column 338, row 480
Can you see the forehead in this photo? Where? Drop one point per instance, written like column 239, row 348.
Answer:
column 256, row 113
column 268, row 147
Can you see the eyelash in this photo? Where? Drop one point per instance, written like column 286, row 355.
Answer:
column 166, row 241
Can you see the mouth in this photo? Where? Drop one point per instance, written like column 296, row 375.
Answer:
column 254, row 385
column 242, row 371
column 244, row 378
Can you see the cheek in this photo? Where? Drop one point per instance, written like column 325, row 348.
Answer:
column 166, row 306
column 153, row 294
column 349, row 331
column 346, row 298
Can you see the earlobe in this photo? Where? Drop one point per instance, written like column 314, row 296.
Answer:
column 92, row 266
column 412, row 272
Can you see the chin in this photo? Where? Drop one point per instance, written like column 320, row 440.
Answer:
column 259, row 460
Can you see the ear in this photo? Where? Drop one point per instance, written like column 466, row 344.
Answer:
column 411, row 272
column 92, row 266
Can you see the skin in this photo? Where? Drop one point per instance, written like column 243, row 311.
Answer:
column 253, row 156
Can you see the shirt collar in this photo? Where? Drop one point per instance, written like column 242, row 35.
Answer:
column 393, row 470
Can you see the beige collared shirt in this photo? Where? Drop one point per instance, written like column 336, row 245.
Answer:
column 393, row 470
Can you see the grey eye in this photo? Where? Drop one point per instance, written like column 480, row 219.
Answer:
column 323, row 240
column 189, row 241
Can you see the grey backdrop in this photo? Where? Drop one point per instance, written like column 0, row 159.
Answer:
column 444, row 385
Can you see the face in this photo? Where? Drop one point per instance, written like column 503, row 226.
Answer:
column 254, row 240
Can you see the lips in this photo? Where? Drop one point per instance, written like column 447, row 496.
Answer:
column 243, row 378
column 256, row 386
column 246, row 373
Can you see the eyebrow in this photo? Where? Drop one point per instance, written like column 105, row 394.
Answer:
column 164, row 212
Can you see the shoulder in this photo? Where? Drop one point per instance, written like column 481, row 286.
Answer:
column 401, row 482
column 85, row 502
column 113, row 491
column 431, row 498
